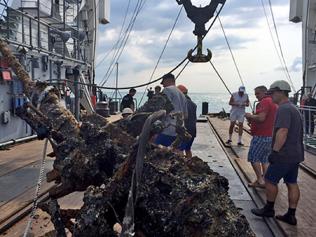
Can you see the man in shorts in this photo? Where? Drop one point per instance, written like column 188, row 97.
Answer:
column 179, row 102
column 261, row 123
column 238, row 101
column 287, row 153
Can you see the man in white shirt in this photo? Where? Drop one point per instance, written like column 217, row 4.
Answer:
column 179, row 102
column 239, row 101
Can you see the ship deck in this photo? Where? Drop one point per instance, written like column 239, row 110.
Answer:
column 19, row 171
column 306, row 211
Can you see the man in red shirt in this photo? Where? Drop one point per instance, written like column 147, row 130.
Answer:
column 261, row 129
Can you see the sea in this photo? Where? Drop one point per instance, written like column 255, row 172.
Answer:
column 217, row 102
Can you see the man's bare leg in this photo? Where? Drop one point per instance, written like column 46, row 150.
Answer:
column 258, row 171
column 293, row 196
column 188, row 154
column 264, row 168
column 240, row 131
column 231, row 130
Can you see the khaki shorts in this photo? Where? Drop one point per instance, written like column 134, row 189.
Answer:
column 237, row 117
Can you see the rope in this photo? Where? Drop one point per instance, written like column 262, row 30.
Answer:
column 182, row 69
column 175, row 68
column 162, row 52
column 222, row 80
column 119, row 37
column 37, row 191
column 220, row 77
column 271, row 34
column 128, row 221
column 117, row 55
column 231, row 52
column 280, row 46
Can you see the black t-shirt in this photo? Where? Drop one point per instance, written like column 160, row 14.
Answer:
column 288, row 116
column 127, row 102
column 190, row 122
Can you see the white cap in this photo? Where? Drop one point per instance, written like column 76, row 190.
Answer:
column 280, row 85
column 127, row 111
column 242, row 89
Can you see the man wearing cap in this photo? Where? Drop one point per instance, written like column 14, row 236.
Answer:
column 189, row 123
column 287, row 153
column 238, row 101
column 126, row 112
column 178, row 100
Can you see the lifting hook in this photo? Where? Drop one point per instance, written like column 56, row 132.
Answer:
column 200, row 16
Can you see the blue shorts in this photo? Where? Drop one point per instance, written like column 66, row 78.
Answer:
column 260, row 148
column 186, row 146
column 287, row 171
column 165, row 140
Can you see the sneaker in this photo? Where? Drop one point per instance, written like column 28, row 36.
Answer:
column 229, row 142
column 289, row 219
column 240, row 144
column 263, row 212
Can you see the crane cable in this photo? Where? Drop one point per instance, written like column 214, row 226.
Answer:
column 220, row 77
column 171, row 71
column 231, row 52
column 119, row 52
column 119, row 37
column 280, row 46
column 162, row 52
column 182, row 69
column 122, row 42
column 274, row 43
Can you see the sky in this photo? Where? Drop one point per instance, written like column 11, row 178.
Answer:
column 247, row 31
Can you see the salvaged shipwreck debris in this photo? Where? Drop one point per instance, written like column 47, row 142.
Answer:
column 174, row 196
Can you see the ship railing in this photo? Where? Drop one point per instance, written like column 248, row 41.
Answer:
column 115, row 97
column 24, row 30
column 308, row 114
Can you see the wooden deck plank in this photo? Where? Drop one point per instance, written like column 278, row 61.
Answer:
column 42, row 224
column 306, row 212
column 11, row 207
column 21, row 155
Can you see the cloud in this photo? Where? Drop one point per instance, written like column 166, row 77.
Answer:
column 296, row 65
column 245, row 27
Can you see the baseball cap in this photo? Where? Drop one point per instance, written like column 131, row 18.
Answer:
column 280, row 85
column 127, row 111
column 242, row 89
column 183, row 89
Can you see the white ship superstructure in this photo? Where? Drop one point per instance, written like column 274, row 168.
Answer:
column 54, row 40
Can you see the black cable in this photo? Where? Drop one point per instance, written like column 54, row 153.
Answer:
column 220, row 77
column 119, row 37
column 271, row 34
column 120, row 44
column 280, row 46
column 231, row 52
column 123, row 43
column 162, row 52
column 175, row 68
column 182, row 69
